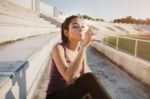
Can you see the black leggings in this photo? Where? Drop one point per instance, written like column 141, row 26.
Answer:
column 86, row 83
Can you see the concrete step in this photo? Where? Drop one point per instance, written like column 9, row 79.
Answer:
column 16, row 25
column 52, row 19
column 22, row 63
column 40, row 91
column 12, row 20
column 17, row 22
column 36, row 19
column 12, row 33
column 14, row 7
column 118, row 83
column 5, row 85
column 136, row 67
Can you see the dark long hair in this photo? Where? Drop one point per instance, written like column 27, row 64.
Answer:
column 65, row 26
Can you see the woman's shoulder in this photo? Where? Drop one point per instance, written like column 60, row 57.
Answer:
column 58, row 47
column 57, row 50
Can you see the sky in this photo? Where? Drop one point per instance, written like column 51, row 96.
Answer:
column 105, row 9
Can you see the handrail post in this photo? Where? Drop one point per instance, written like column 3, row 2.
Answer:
column 135, row 49
column 117, row 43
column 107, row 40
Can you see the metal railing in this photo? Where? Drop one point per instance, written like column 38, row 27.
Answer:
column 139, row 48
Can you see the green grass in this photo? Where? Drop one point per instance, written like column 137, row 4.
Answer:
column 128, row 45
column 144, row 50
column 112, row 41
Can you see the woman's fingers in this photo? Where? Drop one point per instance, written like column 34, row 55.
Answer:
column 90, row 31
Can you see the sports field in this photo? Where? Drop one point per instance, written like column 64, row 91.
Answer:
column 127, row 44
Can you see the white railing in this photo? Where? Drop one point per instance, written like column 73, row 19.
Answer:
column 133, row 44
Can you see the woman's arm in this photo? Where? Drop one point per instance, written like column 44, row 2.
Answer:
column 67, row 71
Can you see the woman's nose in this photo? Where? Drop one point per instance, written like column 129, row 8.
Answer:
column 81, row 28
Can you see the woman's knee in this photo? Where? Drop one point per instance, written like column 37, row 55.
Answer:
column 88, row 78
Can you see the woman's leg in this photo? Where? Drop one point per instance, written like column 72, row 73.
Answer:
column 86, row 83
column 92, row 85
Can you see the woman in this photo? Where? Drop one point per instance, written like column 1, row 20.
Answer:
column 70, row 76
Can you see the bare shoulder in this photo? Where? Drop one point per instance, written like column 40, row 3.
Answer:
column 57, row 49
column 59, row 57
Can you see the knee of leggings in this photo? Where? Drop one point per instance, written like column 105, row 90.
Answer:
column 88, row 78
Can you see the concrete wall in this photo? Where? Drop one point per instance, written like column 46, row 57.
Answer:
column 30, row 4
column 50, row 14
column 52, row 19
column 20, row 72
column 138, row 68
column 49, row 11
column 46, row 10
column 23, row 3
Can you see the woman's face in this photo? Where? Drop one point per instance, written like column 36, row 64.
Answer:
column 75, row 29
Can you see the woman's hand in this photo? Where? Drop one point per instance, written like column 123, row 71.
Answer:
column 87, row 37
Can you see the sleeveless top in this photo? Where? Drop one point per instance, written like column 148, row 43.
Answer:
column 56, row 81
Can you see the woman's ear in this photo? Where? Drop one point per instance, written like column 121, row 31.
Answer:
column 66, row 33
